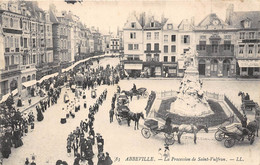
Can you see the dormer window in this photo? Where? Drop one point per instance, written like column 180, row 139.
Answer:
column 246, row 23
column 152, row 24
column 133, row 24
column 169, row 26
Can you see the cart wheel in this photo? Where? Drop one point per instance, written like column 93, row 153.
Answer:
column 146, row 94
column 219, row 136
column 169, row 141
column 229, row 142
column 146, row 133
column 119, row 122
column 252, row 139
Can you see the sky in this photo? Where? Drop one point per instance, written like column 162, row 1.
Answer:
column 110, row 14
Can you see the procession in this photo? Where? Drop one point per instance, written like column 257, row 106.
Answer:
column 104, row 83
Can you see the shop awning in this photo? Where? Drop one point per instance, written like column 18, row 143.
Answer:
column 134, row 66
column 181, row 64
column 29, row 83
column 249, row 63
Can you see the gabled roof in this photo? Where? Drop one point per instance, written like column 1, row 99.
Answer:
column 157, row 24
column 131, row 19
column 169, row 21
column 208, row 20
column 237, row 17
column 185, row 22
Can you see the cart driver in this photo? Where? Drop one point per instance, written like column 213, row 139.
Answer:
column 166, row 128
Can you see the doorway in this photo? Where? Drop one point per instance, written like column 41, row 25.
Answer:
column 250, row 71
column 202, row 66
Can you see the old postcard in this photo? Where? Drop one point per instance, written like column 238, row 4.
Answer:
column 144, row 82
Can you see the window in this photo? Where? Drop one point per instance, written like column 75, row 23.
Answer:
column 156, row 57
column 152, row 24
column 11, row 41
column 242, row 35
column 173, row 48
column 256, row 69
column 169, row 26
column 156, row 35
column 173, row 38
column 241, row 49
column 16, row 42
column 7, row 42
column 173, row 58
column 258, row 49
column 258, row 35
column 34, row 43
column 12, row 60
column 165, row 38
column 202, row 45
column 165, row 58
column 251, row 35
column 227, row 37
column 24, row 60
column 214, row 47
column 165, row 49
column 148, row 57
column 130, row 46
column 244, row 69
column 202, row 37
column 11, row 22
column 148, row 47
column 148, row 35
column 6, row 22
column 7, row 60
column 133, row 24
column 250, row 49
column 130, row 57
column 136, row 46
column 186, row 39
column 227, row 45
column 21, row 41
column 132, row 35
column 156, row 46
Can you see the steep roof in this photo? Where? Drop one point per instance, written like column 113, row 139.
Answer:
column 157, row 24
column 237, row 17
column 131, row 19
column 208, row 20
column 53, row 17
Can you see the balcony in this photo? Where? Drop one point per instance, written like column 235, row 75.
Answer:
column 219, row 51
column 30, row 66
column 12, row 67
column 152, row 51
column 7, row 50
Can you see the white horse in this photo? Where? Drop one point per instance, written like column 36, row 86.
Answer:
column 190, row 128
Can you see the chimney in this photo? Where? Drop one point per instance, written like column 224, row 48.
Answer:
column 192, row 21
column 229, row 13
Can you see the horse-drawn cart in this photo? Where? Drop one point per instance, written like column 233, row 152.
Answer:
column 152, row 128
column 122, row 114
column 232, row 134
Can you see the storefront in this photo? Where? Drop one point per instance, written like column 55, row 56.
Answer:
column 153, row 68
column 133, row 70
column 170, row 69
column 249, row 68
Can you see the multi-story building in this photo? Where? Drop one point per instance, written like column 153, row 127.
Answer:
column 152, row 35
column 169, row 48
column 12, row 31
column 133, row 46
column 215, row 41
column 247, row 40
column 114, row 45
column 61, row 38
column 106, row 43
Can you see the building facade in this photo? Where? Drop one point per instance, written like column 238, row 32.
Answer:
column 114, row 45
column 247, row 42
column 215, row 42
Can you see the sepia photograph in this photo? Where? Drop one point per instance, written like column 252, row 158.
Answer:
column 122, row 82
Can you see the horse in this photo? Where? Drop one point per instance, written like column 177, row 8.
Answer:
column 242, row 94
column 128, row 93
column 190, row 128
column 253, row 127
column 135, row 117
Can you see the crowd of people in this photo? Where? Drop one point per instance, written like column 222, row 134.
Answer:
column 15, row 124
column 83, row 138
